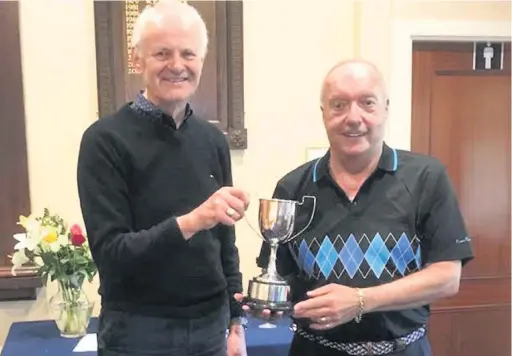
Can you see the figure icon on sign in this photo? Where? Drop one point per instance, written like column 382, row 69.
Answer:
column 488, row 55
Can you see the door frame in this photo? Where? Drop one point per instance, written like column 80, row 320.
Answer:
column 403, row 34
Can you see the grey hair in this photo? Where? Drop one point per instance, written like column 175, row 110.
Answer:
column 165, row 8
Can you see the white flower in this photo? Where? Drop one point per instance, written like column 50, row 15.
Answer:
column 18, row 259
column 29, row 223
column 24, row 241
column 38, row 261
column 62, row 240
column 33, row 230
column 33, row 226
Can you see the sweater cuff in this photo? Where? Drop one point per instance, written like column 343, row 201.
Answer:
column 171, row 231
column 236, row 309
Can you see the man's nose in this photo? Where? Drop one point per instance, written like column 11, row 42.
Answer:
column 354, row 114
column 175, row 63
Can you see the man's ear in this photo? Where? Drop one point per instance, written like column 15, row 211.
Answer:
column 387, row 104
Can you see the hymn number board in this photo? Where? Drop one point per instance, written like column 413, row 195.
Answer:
column 219, row 98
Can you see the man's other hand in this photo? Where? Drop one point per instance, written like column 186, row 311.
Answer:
column 329, row 306
column 236, row 342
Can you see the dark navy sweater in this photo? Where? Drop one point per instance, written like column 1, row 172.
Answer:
column 136, row 174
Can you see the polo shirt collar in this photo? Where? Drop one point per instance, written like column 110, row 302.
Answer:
column 388, row 162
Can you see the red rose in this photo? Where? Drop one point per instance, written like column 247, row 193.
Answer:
column 77, row 236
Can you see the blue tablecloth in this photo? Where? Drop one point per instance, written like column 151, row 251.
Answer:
column 38, row 338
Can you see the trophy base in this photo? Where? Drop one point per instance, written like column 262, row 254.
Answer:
column 260, row 305
column 268, row 293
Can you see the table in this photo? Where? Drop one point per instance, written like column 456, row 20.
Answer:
column 38, row 338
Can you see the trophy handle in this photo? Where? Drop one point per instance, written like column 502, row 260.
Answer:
column 256, row 231
column 252, row 227
column 310, row 219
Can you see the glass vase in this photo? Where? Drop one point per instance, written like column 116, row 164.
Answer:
column 71, row 310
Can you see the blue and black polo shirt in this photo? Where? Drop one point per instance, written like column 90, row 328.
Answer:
column 404, row 217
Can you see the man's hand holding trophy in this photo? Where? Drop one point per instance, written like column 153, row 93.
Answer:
column 226, row 206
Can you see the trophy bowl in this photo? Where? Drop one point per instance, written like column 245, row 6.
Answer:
column 276, row 220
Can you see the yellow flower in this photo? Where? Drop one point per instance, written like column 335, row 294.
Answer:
column 23, row 221
column 50, row 234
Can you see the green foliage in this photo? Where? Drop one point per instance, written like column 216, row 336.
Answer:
column 71, row 265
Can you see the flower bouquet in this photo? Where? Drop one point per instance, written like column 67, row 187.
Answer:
column 59, row 254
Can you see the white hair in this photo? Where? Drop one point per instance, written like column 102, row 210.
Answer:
column 163, row 8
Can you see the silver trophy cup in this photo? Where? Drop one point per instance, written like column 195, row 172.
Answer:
column 276, row 224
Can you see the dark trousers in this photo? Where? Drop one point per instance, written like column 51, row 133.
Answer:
column 304, row 347
column 124, row 334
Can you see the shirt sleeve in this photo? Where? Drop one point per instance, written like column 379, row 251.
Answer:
column 445, row 237
column 105, row 203
column 229, row 251
column 285, row 263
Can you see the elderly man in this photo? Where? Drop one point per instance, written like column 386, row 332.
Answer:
column 155, row 191
column 387, row 238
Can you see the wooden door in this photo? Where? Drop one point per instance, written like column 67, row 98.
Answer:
column 462, row 117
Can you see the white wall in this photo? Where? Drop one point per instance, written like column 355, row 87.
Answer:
column 288, row 47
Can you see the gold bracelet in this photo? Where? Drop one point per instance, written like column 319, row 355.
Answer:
column 359, row 315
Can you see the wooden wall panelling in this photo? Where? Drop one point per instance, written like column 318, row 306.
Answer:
column 14, row 185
